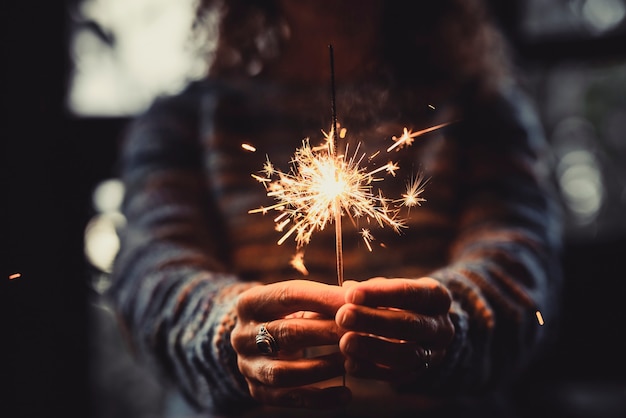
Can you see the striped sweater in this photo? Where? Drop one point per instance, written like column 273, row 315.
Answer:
column 489, row 228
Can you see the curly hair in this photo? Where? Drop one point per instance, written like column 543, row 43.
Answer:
column 446, row 41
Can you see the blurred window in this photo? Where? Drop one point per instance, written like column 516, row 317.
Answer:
column 126, row 52
column 572, row 18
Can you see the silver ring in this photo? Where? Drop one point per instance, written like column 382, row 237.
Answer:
column 265, row 342
column 425, row 354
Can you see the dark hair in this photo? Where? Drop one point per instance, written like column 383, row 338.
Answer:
column 443, row 42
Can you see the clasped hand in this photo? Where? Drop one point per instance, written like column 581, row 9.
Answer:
column 393, row 330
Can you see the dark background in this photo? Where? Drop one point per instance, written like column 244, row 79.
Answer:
column 51, row 161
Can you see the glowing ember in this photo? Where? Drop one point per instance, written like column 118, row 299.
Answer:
column 539, row 317
column 15, row 276
column 248, row 147
column 297, row 262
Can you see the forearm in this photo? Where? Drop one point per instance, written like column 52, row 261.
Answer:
column 504, row 264
column 177, row 302
column 497, row 297
column 179, row 315
column 172, row 287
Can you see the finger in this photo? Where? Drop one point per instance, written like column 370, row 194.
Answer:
column 349, row 283
column 264, row 303
column 277, row 373
column 433, row 331
column 430, row 357
column 387, row 354
column 309, row 397
column 304, row 314
column 290, row 334
column 365, row 369
column 383, row 352
column 424, row 295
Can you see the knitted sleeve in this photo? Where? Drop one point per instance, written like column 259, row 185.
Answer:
column 171, row 289
column 504, row 266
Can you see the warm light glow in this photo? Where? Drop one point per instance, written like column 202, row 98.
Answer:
column 539, row 317
column 318, row 185
column 15, row 276
column 323, row 186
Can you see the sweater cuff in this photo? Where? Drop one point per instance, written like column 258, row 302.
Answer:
column 221, row 385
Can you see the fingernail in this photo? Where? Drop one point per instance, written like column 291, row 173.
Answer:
column 355, row 296
column 350, row 346
column 350, row 366
column 347, row 319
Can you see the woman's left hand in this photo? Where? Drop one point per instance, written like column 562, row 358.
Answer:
column 396, row 328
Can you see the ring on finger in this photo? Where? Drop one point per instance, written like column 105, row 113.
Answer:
column 265, row 342
column 425, row 354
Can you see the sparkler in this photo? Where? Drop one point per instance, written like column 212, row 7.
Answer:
column 323, row 185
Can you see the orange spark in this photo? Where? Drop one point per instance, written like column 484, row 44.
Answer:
column 367, row 238
column 539, row 317
column 409, row 136
column 297, row 262
column 15, row 276
column 248, row 147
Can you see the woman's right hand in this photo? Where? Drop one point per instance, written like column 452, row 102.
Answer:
column 297, row 314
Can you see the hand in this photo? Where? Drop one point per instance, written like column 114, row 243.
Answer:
column 396, row 328
column 298, row 314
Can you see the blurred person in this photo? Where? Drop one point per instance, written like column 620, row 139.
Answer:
column 440, row 319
